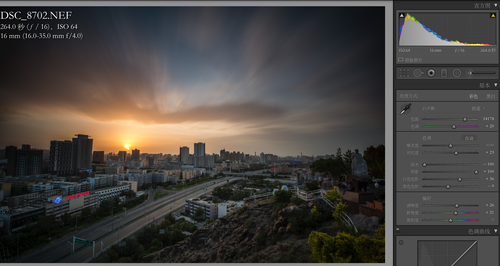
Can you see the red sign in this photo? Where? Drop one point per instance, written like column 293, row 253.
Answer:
column 78, row 195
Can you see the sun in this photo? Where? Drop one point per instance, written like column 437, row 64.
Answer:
column 126, row 146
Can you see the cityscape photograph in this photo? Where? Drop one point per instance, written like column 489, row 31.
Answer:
column 193, row 134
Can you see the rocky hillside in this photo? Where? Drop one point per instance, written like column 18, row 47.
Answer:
column 258, row 233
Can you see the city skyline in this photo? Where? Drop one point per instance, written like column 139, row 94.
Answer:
column 274, row 80
column 130, row 150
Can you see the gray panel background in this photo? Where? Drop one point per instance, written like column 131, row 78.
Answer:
column 480, row 198
column 446, row 110
column 461, row 73
column 446, row 95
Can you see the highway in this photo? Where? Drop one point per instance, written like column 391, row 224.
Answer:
column 109, row 231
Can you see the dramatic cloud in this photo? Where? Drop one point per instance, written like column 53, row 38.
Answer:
column 280, row 79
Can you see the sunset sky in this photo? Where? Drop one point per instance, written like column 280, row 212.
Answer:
column 279, row 80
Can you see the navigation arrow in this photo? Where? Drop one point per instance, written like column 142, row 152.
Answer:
column 401, row 15
column 496, row 84
column 495, row 4
column 495, row 230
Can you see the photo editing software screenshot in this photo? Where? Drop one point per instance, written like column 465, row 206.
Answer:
column 346, row 132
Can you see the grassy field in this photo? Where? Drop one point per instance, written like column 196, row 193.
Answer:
column 159, row 195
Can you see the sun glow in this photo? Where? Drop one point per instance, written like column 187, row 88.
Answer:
column 126, row 146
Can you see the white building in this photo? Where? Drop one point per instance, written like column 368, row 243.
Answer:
column 40, row 187
column 111, row 192
column 70, row 204
column 132, row 184
column 101, row 181
column 73, row 187
column 209, row 208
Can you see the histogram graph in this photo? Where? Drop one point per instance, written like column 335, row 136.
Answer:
column 447, row 29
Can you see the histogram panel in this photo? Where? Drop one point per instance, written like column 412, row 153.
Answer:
column 447, row 29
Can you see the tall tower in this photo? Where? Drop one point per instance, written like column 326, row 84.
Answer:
column 23, row 162
column 199, row 154
column 60, row 157
column 223, row 154
column 122, row 156
column 136, row 155
column 82, row 152
column 184, row 154
column 98, row 157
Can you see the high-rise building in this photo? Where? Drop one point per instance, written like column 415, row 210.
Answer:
column 82, row 152
column 10, row 154
column 262, row 158
column 136, row 155
column 98, row 157
column 223, row 154
column 23, row 162
column 122, row 156
column 199, row 149
column 184, row 154
column 199, row 154
column 151, row 160
column 210, row 160
column 61, row 153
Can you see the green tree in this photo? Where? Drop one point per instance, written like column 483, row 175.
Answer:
column 347, row 157
column 239, row 194
column 155, row 242
column 313, row 185
column 315, row 214
column 375, row 160
column 327, row 249
column 125, row 260
column 333, row 167
column 112, row 255
column 296, row 200
column 223, row 192
column 283, row 196
column 199, row 214
column 176, row 236
column 170, row 218
column 86, row 212
column 338, row 211
column 66, row 218
column 333, row 196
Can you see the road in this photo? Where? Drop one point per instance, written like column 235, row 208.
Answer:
column 109, row 231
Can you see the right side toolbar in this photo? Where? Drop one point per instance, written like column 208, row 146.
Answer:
column 446, row 74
